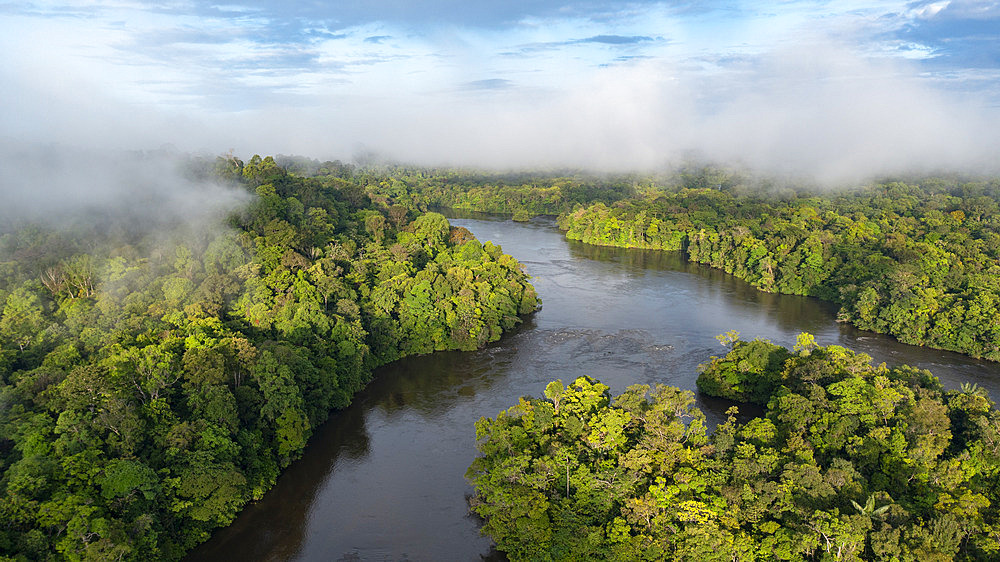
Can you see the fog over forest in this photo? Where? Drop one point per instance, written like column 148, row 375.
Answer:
column 814, row 111
column 58, row 185
column 219, row 222
column 834, row 96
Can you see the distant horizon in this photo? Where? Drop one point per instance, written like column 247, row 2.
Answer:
column 58, row 166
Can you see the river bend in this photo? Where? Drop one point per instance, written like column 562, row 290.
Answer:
column 384, row 479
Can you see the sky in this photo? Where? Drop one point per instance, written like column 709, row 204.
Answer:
column 834, row 89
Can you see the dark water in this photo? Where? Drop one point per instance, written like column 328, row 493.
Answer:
column 384, row 479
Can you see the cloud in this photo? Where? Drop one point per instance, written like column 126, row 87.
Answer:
column 822, row 112
column 59, row 185
column 434, row 12
column 957, row 9
column 615, row 39
column 961, row 33
column 814, row 110
column 488, row 84
column 834, row 96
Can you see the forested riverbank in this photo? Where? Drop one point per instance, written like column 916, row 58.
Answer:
column 918, row 262
column 851, row 461
column 156, row 379
column 158, row 376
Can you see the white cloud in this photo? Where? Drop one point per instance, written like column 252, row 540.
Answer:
column 799, row 90
column 930, row 10
column 57, row 184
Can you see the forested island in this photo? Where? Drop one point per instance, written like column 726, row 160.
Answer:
column 851, row 461
column 153, row 381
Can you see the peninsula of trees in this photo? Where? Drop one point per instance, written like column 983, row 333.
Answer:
column 153, row 382
column 851, row 461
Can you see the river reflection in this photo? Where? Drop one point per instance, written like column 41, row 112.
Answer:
column 384, row 479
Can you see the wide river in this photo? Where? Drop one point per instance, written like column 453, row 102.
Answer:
column 384, row 479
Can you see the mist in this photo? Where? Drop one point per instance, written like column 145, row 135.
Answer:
column 61, row 186
column 814, row 112
column 814, row 109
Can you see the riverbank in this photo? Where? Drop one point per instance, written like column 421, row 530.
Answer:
column 384, row 478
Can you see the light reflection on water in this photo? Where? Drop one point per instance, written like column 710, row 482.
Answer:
column 384, row 479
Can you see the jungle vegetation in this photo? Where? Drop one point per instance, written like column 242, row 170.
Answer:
column 919, row 262
column 850, row 461
column 917, row 259
column 153, row 382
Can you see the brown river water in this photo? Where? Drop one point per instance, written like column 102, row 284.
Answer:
column 384, row 479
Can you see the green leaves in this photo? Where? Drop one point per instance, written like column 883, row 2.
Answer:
column 850, row 461
column 151, row 385
column 750, row 372
column 124, row 477
column 431, row 229
column 869, row 508
column 22, row 319
column 901, row 267
column 578, row 464
column 554, row 392
column 804, row 344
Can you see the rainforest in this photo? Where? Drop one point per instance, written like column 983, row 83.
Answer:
column 159, row 378
column 553, row 280
column 850, row 461
column 155, row 382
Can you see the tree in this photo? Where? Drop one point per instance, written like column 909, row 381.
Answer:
column 22, row 318
column 849, row 461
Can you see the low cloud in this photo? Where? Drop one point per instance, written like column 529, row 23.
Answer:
column 818, row 112
column 807, row 108
column 488, row 84
column 615, row 39
column 141, row 191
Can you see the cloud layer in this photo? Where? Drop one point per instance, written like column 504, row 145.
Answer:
column 796, row 87
column 142, row 192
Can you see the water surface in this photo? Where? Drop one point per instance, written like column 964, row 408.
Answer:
column 384, row 479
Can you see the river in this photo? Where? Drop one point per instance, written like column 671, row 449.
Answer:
column 384, row 479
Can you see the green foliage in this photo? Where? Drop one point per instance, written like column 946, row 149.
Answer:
column 748, row 373
column 22, row 318
column 151, row 384
column 921, row 263
column 521, row 195
column 850, row 461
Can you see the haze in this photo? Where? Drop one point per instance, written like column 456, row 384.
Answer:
column 140, row 192
column 838, row 91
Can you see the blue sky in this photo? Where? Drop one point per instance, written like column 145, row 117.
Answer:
column 812, row 86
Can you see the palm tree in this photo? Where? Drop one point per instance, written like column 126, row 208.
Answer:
column 973, row 388
column 869, row 507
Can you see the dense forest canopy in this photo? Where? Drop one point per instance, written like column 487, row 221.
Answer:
column 153, row 380
column 919, row 262
column 851, row 461
column 158, row 370
column 917, row 259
